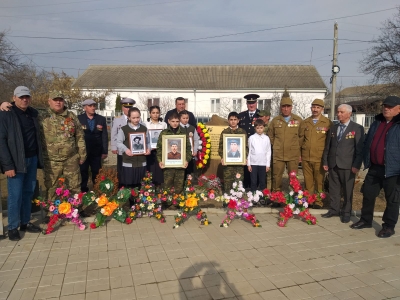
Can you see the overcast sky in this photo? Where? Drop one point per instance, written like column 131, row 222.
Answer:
column 147, row 27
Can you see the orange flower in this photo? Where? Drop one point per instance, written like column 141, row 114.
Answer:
column 109, row 208
column 61, row 179
column 102, row 200
column 64, row 208
column 191, row 202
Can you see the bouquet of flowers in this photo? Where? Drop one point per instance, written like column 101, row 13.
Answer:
column 237, row 205
column 297, row 202
column 211, row 185
column 188, row 203
column 65, row 206
column 203, row 155
column 146, row 200
column 108, row 205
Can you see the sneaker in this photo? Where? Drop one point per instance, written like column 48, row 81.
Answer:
column 13, row 235
column 30, row 228
column 386, row 232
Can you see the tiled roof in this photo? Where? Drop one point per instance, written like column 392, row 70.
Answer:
column 201, row 77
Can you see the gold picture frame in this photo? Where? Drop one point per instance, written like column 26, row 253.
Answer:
column 234, row 149
column 174, row 151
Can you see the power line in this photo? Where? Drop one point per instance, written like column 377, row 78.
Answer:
column 51, row 4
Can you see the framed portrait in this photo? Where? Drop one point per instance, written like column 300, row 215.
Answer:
column 234, row 148
column 154, row 134
column 137, row 141
column 174, row 151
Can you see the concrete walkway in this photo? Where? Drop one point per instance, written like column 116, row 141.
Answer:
column 150, row 260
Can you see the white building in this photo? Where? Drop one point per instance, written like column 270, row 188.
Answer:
column 208, row 89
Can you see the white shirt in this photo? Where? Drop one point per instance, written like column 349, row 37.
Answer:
column 259, row 150
column 345, row 126
column 158, row 125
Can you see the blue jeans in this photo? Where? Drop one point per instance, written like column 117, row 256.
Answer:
column 20, row 192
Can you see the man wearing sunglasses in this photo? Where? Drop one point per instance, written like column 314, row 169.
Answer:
column 20, row 156
column 96, row 137
column 63, row 144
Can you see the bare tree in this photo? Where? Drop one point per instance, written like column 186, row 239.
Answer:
column 275, row 104
column 226, row 106
column 382, row 60
column 301, row 106
column 166, row 103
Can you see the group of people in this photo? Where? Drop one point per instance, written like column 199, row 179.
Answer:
column 67, row 145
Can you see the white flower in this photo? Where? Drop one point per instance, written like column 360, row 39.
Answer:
column 119, row 213
column 292, row 205
column 305, row 204
column 76, row 196
column 239, row 213
column 300, row 192
column 102, row 210
column 296, row 212
column 239, row 194
column 234, row 185
column 187, row 189
column 200, row 143
column 225, row 225
column 256, row 198
column 97, row 200
column 141, row 205
column 231, row 191
column 249, row 195
column 176, row 226
column 108, row 186
column 291, row 193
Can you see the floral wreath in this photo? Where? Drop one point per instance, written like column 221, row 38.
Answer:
column 147, row 201
column 64, row 207
column 188, row 203
column 203, row 155
column 297, row 202
column 237, row 205
column 108, row 205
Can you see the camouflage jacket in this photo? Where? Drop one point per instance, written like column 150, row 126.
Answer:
column 160, row 144
column 62, row 136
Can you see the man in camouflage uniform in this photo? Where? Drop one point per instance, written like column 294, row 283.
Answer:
column 265, row 115
column 230, row 171
column 173, row 177
column 63, row 145
column 312, row 135
column 283, row 132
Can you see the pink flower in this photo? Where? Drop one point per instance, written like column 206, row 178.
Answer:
column 51, row 208
column 322, row 195
column 82, row 227
column 59, row 191
column 211, row 195
column 66, row 193
column 146, row 193
column 238, row 175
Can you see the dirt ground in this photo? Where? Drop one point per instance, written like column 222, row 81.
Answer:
column 380, row 204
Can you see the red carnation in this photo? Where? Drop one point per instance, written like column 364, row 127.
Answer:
column 93, row 225
column 103, row 178
column 128, row 220
column 266, row 192
column 232, row 204
column 80, row 195
column 133, row 193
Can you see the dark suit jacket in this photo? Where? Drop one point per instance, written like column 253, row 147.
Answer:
column 96, row 141
column 347, row 152
column 246, row 123
column 230, row 154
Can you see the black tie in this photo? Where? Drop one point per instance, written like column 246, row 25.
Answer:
column 251, row 115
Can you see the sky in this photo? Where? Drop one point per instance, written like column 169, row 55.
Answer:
column 70, row 35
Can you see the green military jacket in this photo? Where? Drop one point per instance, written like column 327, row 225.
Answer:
column 312, row 138
column 230, row 131
column 62, row 136
column 160, row 145
column 284, row 137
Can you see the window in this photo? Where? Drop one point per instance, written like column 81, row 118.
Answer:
column 369, row 119
column 215, row 105
column 264, row 104
column 237, row 105
column 152, row 102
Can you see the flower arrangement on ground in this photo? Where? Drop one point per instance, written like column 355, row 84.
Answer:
column 64, row 207
column 210, row 187
column 188, row 203
column 203, row 155
column 237, row 205
column 297, row 202
column 108, row 203
column 147, row 202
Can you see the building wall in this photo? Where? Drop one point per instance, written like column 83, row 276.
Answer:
column 199, row 102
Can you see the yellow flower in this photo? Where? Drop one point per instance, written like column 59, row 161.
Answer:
column 205, row 161
column 206, row 222
column 102, row 200
column 208, row 146
column 300, row 196
column 206, row 135
column 191, row 202
column 64, row 208
column 208, row 151
column 182, row 204
column 133, row 214
column 200, row 165
column 148, row 198
column 206, row 156
column 204, row 130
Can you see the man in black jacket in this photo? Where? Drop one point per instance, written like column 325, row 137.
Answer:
column 96, row 140
column 20, row 156
column 180, row 105
column 381, row 156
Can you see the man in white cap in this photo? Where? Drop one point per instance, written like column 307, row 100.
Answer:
column 96, row 139
column 20, row 156
column 119, row 122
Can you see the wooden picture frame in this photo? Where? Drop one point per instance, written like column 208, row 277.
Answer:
column 174, row 151
column 234, row 149
column 138, row 143
column 153, row 138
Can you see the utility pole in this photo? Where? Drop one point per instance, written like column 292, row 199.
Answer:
column 335, row 70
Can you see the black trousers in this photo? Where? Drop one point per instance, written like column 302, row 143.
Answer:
column 373, row 183
column 94, row 162
column 246, row 177
column 258, row 175
column 341, row 178
column 119, row 169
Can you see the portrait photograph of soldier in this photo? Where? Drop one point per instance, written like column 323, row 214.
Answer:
column 234, row 149
column 174, row 152
column 154, row 134
column 137, row 142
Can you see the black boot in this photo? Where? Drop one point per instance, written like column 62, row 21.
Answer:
column 13, row 235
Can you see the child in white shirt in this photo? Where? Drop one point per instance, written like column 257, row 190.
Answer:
column 259, row 158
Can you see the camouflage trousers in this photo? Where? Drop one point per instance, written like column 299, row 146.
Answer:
column 230, row 176
column 174, row 177
column 69, row 169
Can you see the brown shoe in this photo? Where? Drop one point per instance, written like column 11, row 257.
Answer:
column 386, row 232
